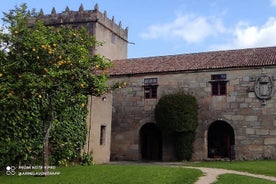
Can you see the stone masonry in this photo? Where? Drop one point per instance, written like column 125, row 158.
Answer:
column 248, row 107
column 253, row 122
column 112, row 36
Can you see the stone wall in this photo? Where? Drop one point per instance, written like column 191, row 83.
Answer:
column 106, row 31
column 252, row 119
column 99, row 128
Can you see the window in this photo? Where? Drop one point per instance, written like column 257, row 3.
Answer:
column 218, row 77
column 102, row 135
column 219, row 84
column 113, row 38
column 150, row 88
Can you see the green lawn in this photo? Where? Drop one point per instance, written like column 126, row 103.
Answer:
column 238, row 179
column 265, row 167
column 111, row 174
column 146, row 173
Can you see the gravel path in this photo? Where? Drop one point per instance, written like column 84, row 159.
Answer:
column 211, row 174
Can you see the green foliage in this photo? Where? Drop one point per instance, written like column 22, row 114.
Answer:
column 184, row 145
column 20, row 135
column 69, row 133
column 177, row 114
column 46, row 74
column 236, row 179
column 87, row 159
column 115, row 174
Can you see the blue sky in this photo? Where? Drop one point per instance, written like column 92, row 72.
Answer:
column 168, row 27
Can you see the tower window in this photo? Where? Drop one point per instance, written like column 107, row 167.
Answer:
column 150, row 88
column 113, row 38
column 219, row 84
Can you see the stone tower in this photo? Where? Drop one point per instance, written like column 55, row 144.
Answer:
column 105, row 30
column 114, row 39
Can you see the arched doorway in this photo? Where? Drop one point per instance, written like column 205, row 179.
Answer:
column 150, row 142
column 221, row 140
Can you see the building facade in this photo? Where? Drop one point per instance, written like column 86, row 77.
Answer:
column 113, row 39
column 235, row 94
column 112, row 36
column 234, row 90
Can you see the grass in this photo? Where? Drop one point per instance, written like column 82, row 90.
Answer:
column 238, row 179
column 264, row 167
column 111, row 174
column 140, row 173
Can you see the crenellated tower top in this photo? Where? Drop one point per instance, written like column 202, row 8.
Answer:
column 97, row 23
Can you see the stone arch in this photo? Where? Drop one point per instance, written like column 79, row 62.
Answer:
column 221, row 140
column 150, row 138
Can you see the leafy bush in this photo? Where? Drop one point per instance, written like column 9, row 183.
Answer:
column 177, row 114
column 20, row 137
column 87, row 159
column 69, row 134
column 184, row 145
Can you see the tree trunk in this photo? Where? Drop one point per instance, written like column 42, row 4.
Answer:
column 45, row 164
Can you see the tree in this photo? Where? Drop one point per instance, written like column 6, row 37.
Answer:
column 46, row 75
column 177, row 114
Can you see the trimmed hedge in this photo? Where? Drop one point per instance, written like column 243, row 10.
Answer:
column 177, row 114
column 184, row 145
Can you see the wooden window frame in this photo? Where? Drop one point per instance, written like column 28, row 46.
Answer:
column 150, row 88
column 218, row 84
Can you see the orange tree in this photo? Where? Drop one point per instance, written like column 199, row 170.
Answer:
column 46, row 75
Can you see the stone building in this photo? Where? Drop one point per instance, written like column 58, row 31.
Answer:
column 234, row 90
column 114, row 46
column 105, row 30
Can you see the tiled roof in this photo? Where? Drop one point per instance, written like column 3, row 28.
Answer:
column 254, row 57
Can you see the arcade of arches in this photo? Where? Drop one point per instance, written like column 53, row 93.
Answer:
column 221, row 141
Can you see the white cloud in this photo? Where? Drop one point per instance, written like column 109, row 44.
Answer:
column 209, row 30
column 273, row 2
column 253, row 35
column 246, row 36
column 190, row 28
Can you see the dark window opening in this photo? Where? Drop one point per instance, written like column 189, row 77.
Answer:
column 150, row 81
column 219, row 84
column 218, row 77
column 218, row 88
column 150, row 88
column 150, row 92
column 102, row 134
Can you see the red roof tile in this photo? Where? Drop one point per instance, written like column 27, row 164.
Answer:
column 196, row 61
